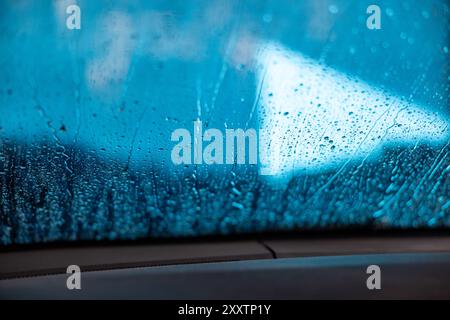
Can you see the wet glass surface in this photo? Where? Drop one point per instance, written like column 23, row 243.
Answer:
column 350, row 124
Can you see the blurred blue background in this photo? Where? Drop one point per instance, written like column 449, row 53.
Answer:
column 113, row 91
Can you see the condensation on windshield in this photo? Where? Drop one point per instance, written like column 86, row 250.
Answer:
column 351, row 125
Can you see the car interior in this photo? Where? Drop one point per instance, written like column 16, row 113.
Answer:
column 224, row 150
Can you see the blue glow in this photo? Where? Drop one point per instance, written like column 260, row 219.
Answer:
column 353, row 122
column 316, row 118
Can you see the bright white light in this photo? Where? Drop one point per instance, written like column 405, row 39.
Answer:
column 313, row 117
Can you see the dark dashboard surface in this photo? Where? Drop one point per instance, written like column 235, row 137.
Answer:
column 412, row 266
column 405, row 276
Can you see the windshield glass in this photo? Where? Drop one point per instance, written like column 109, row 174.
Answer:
column 154, row 119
